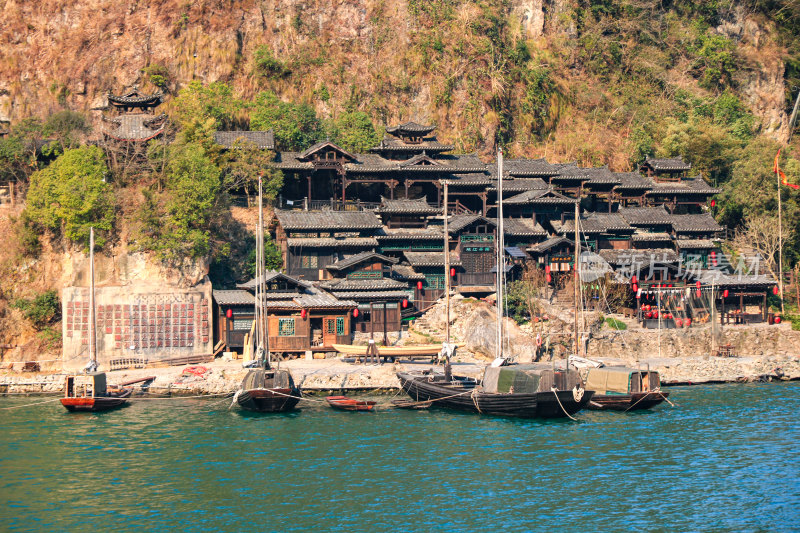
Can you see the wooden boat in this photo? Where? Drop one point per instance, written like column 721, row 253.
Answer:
column 264, row 389
column 524, row 391
column 624, row 389
column 88, row 392
column 349, row 404
column 268, row 390
column 391, row 351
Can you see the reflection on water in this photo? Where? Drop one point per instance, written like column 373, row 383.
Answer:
column 724, row 459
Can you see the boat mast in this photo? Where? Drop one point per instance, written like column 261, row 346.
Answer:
column 500, row 251
column 577, row 269
column 92, row 314
column 446, row 272
column 265, row 362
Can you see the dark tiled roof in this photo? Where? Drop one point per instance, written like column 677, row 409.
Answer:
column 640, row 258
column 430, row 259
column 410, row 127
column 233, row 297
column 419, row 206
column 337, row 285
column 526, row 168
column 406, row 272
column 375, row 295
column 632, row 180
column 311, row 150
column 471, row 179
column 353, row 260
column 647, row 236
column 643, row 216
column 327, row 220
column 695, row 223
column 721, row 279
column 667, row 164
column 291, row 161
column 136, row 98
column 543, row 246
column 392, row 144
column 262, row 139
column 522, row 227
column 322, row 300
column 695, row 244
column 520, row 184
column 696, row 185
column 430, row 233
column 571, row 171
column 538, row 197
column 595, row 223
column 331, row 242
column 271, row 275
column 602, row 176
column 458, row 222
column 137, row 127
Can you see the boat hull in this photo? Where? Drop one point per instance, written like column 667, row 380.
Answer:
column 464, row 396
column 269, row 400
column 627, row 402
column 100, row 403
column 348, row 404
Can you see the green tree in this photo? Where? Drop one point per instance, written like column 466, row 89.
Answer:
column 70, row 195
column 177, row 222
column 197, row 103
column 241, row 165
column 353, row 131
column 267, row 65
column 65, row 128
column 296, row 126
column 710, row 148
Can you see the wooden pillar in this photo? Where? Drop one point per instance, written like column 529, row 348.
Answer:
column 405, row 183
column 764, row 307
column 385, row 333
column 344, row 188
column 371, row 321
column 741, row 302
column 484, row 198
column 309, row 191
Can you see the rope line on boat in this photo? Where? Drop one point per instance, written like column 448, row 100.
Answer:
column 29, row 404
column 555, row 393
column 177, row 397
column 665, row 398
column 637, row 401
column 474, row 396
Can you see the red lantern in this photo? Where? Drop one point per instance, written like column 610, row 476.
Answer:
column 635, row 288
column 687, row 322
column 355, row 312
column 678, row 323
column 649, row 314
column 634, row 280
column 725, row 293
column 405, row 303
column 419, row 285
column 229, row 313
column 547, row 269
column 549, row 278
column 302, row 313
column 655, row 314
column 713, row 203
column 775, row 290
column 670, row 285
column 713, row 254
column 697, row 293
column 777, row 319
column 697, row 285
column 452, row 272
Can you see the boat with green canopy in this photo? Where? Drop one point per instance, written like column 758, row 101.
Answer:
column 624, row 389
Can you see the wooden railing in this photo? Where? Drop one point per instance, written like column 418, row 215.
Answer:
column 295, row 343
column 487, row 279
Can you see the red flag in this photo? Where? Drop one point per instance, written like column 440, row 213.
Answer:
column 777, row 170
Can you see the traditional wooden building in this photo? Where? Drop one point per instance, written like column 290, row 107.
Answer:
column 134, row 121
column 263, row 140
column 312, row 240
column 600, row 231
column 300, row 317
column 665, row 169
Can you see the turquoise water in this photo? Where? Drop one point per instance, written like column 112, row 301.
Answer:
column 724, row 459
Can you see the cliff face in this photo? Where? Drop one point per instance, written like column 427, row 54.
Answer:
column 402, row 60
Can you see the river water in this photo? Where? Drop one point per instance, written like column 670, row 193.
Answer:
column 724, row 459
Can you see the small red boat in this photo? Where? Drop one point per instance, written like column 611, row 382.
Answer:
column 348, row 404
column 89, row 392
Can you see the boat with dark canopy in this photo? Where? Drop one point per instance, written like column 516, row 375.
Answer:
column 265, row 389
column 624, row 389
column 525, row 391
column 89, row 391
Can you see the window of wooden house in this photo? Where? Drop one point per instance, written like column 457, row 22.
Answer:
column 286, row 327
column 309, row 260
column 335, row 327
column 434, row 281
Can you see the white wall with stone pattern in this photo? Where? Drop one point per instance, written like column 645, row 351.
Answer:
column 144, row 322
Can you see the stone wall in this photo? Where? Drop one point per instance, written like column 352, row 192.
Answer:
column 152, row 323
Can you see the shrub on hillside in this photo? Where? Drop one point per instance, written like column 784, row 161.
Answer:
column 43, row 309
column 70, row 196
